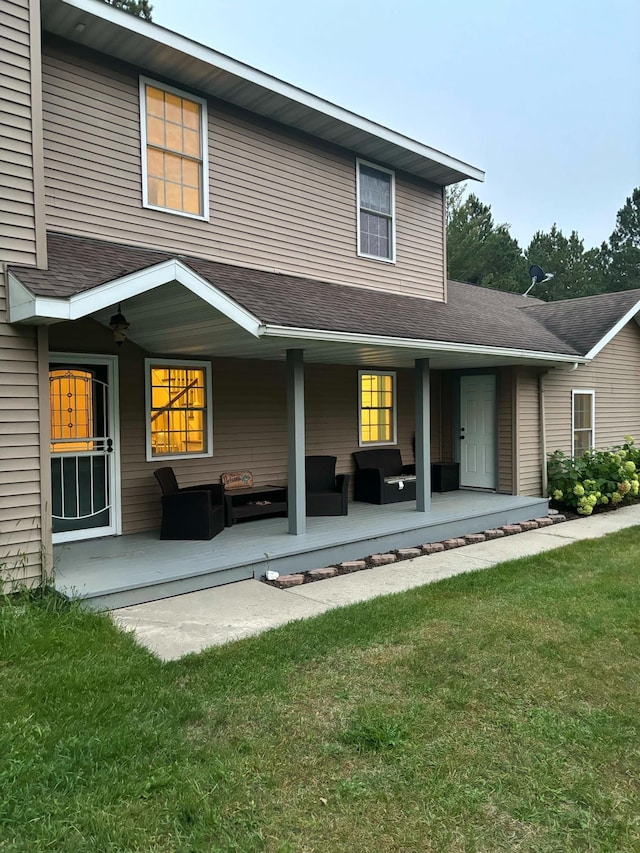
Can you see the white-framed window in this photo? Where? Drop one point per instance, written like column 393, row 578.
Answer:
column 376, row 194
column 178, row 408
column 583, row 420
column 174, row 150
column 376, row 407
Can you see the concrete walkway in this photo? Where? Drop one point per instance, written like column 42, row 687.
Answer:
column 189, row 623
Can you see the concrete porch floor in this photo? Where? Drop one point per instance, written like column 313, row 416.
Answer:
column 125, row 570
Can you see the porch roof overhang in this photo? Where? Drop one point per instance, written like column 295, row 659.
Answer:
column 192, row 308
column 101, row 27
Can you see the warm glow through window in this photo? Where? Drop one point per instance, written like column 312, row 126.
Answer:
column 174, row 150
column 377, row 416
column 71, row 409
column 178, row 411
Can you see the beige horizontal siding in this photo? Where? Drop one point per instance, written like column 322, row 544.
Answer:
column 278, row 199
column 613, row 375
column 20, row 498
column 527, row 438
column 505, row 417
column 22, row 232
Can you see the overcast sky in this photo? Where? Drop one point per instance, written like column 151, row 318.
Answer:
column 543, row 96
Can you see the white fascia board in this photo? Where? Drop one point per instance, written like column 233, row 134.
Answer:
column 161, row 35
column 622, row 322
column 20, row 298
column 416, row 343
column 119, row 290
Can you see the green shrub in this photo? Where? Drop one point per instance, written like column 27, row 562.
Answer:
column 598, row 477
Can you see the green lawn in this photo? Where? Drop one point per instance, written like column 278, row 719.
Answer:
column 496, row 711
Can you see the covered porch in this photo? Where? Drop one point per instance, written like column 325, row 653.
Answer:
column 124, row 570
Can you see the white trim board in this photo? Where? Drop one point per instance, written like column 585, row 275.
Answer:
column 415, row 343
column 29, row 308
column 613, row 331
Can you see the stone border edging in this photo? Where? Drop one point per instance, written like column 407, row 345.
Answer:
column 370, row 562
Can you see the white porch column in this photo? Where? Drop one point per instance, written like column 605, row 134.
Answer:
column 423, row 436
column 295, row 442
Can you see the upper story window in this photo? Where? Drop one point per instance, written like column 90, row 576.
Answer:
column 174, row 150
column 376, row 212
column 583, row 416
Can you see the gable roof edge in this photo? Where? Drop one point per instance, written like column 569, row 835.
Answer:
column 25, row 307
column 62, row 17
column 613, row 331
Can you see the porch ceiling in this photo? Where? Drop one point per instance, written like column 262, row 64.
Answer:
column 173, row 321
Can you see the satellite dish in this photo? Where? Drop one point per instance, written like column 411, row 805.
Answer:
column 536, row 274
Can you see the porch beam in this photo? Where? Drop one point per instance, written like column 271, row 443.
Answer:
column 423, row 435
column 297, row 508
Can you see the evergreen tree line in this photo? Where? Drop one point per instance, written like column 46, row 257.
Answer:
column 481, row 252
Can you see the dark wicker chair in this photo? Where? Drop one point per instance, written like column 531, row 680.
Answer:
column 326, row 493
column 196, row 512
column 374, row 470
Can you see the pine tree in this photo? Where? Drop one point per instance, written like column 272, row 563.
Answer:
column 575, row 272
column 478, row 250
column 139, row 8
column 623, row 272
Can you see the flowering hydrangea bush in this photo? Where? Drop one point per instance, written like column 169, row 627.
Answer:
column 598, row 477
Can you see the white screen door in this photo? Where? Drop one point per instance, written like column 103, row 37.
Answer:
column 478, row 431
column 84, row 494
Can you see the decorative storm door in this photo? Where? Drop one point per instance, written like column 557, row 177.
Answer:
column 82, row 445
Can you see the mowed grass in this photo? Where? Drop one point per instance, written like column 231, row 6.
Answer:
column 495, row 711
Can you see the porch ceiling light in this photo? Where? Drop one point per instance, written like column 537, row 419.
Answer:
column 119, row 326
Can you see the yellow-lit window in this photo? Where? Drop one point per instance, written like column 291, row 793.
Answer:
column 71, row 410
column 377, row 408
column 179, row 411
column 174, row 150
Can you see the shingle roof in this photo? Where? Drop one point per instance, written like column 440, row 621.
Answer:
column 472, row 315
column 583, row 322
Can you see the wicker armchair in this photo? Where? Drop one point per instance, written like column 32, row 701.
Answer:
column 196, row 512
column 326, row 493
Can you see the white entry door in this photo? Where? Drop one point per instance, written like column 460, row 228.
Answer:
column 84, row 489
column 478, row 431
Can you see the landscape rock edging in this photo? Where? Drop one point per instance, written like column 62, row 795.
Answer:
column 370, row 562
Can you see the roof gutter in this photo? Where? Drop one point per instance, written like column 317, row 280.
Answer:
column 275, row 331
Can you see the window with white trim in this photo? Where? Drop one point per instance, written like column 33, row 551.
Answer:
column 583, row 412
column 178, row 406
column 174, row 150
column 377, row 408
column 376, row 211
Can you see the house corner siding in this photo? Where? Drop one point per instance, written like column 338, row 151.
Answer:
column 613, row 376
column 22, row 233
column 528, row 435
column 21, row 544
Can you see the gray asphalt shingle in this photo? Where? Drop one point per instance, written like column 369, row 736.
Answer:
column 472, row 315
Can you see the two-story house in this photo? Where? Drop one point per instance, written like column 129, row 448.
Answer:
column 208, row 268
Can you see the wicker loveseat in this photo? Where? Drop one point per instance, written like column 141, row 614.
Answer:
column 381, row 478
